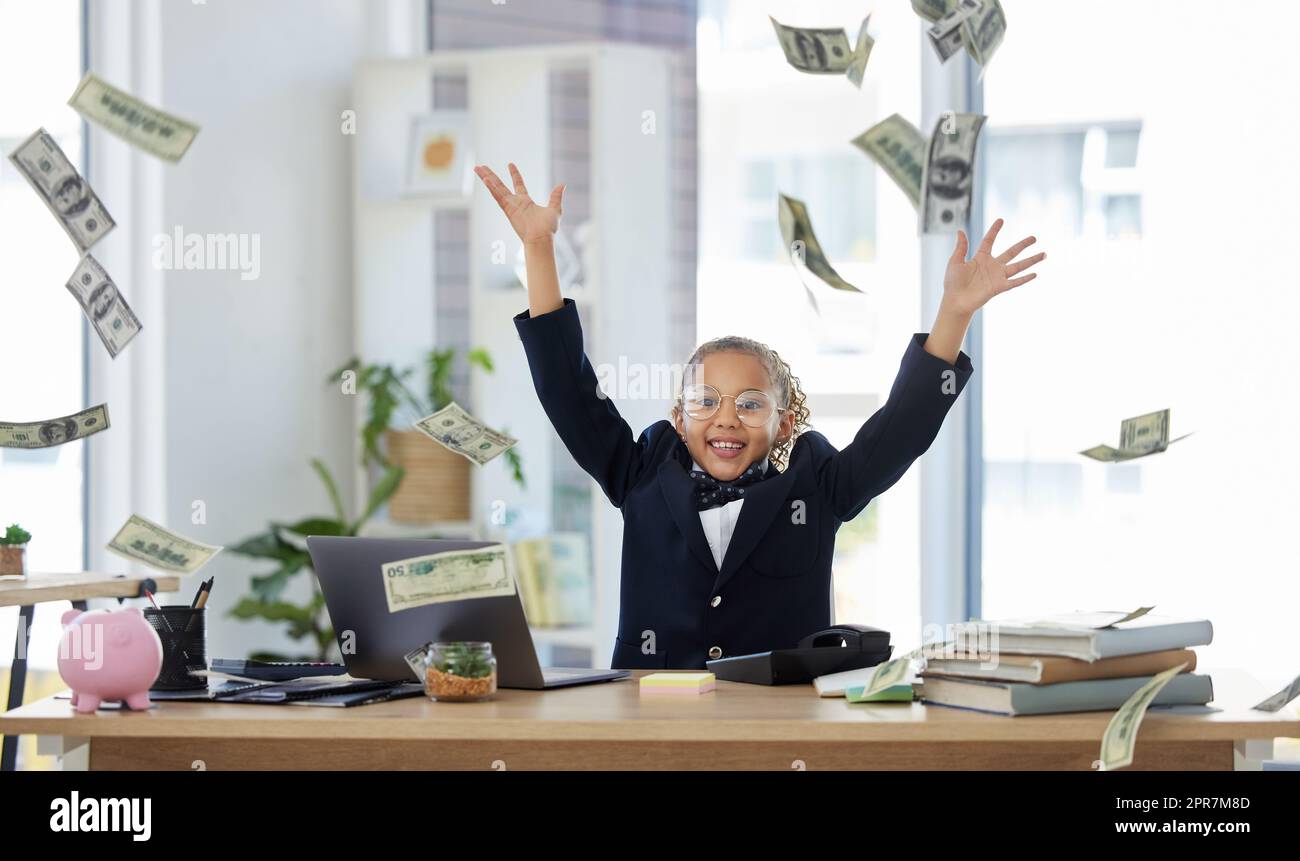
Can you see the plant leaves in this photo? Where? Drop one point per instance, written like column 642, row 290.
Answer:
column 479, row 356
column 333, row 489
column 317, row 526
column 269, row 586
column 268, row 545
column 383, row 490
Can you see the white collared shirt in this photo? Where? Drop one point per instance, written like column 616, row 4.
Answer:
column 719, row 522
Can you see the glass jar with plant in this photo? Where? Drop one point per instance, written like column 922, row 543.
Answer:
column 460, row 671
column 436, row 486
column 13, row 551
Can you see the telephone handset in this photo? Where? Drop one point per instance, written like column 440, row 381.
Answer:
column 857, row 637
column 830, row 650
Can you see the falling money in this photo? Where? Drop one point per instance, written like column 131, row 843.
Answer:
column 898, row 147
column 887, row 675
column 949, row 176
column 147, row 542
column 462, row 433
column 937, row 177
column 1118, row 740
column 453, row 575
column 826, row 51
column 54, row 431
column 946, row 33
column 1280, row 699
column 803, row 247
column 103, row 305
column 1138, row 437
column 68, row 196
column 976, row 25
column 152, row 130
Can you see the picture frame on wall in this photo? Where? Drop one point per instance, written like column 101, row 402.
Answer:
column 440, row 155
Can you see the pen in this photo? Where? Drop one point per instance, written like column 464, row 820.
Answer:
column 199, row 600
column 170, row 629
column 202, row 585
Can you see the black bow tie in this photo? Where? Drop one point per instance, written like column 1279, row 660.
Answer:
column 710, row 493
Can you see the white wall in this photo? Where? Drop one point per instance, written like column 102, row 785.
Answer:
column 239, row 365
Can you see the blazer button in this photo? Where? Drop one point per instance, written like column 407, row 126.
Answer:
column 717, row 599
column 715, row 652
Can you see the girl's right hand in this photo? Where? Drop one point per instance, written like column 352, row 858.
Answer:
column 530, row 221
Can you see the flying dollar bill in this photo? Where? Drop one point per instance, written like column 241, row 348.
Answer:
column 64, row 191
column 1120, row 737
column 949, row 177
column 825, row 50
column 887, row 675
column 147, row 542
column 802, row 245
column 104, row 305
column 462, row 433
column 979, row 30
column 898, row 147
column 946, row 33
column 454, row 575
column 932, row 10
column 54, row 431
column 982, row 32
column 135, row 122
column 1280, row 699
column 1138, row 437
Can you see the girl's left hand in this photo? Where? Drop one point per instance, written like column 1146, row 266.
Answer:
column 968, row 284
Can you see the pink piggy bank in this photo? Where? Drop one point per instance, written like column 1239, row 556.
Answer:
column 109, row 655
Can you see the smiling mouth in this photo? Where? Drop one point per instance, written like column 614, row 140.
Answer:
column 726, row 449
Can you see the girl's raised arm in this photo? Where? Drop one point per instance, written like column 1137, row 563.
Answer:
column 536, row 226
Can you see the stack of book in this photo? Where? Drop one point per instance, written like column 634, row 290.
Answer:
column 1071, row 663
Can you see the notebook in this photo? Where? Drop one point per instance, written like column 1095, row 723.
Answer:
column 1049, row 669
column 1057, row 636
column 1016, row 698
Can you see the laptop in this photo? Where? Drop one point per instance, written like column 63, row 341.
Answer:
column 349, row 571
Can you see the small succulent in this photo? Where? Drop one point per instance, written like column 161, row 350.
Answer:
column 15, row 534
column 460, row 659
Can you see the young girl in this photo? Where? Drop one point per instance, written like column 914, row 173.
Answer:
column 730, row 509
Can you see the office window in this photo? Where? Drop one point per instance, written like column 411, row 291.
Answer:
column 41, row 324
column 765, row 129
column 1158, row 189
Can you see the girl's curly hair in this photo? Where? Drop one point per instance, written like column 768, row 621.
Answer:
column 786, row 385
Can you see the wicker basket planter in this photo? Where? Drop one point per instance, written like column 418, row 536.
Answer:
column 435, row 486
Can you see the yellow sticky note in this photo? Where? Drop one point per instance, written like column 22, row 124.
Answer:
column 678, row 683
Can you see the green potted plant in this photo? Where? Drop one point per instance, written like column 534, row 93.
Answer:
column 284, row 545
column 13, row 551
column 436, row 483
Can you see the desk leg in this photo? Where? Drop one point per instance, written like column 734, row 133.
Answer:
column 18, row 677
column 17, row 681
column 1249, row 754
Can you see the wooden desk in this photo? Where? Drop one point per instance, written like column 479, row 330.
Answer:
column 79, row 587
column 611, row 725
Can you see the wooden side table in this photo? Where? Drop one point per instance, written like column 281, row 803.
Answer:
column 27, row 592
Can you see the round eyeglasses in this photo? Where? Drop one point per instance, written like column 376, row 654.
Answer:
column 754, row 408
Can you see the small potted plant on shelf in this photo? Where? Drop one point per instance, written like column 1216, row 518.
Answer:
column 13, row 551
column 436, row 481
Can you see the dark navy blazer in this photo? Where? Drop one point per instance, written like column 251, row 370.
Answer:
column 775, row 584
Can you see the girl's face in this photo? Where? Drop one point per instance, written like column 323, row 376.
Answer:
column 722, row 444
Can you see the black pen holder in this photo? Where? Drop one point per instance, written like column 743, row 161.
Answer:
column 184, row 634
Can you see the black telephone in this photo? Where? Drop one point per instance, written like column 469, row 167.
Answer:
column 830, row 650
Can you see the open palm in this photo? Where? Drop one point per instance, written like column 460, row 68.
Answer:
column 530, row 221
column 968, row 284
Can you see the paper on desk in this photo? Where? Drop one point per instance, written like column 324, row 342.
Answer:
column 217, row 674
